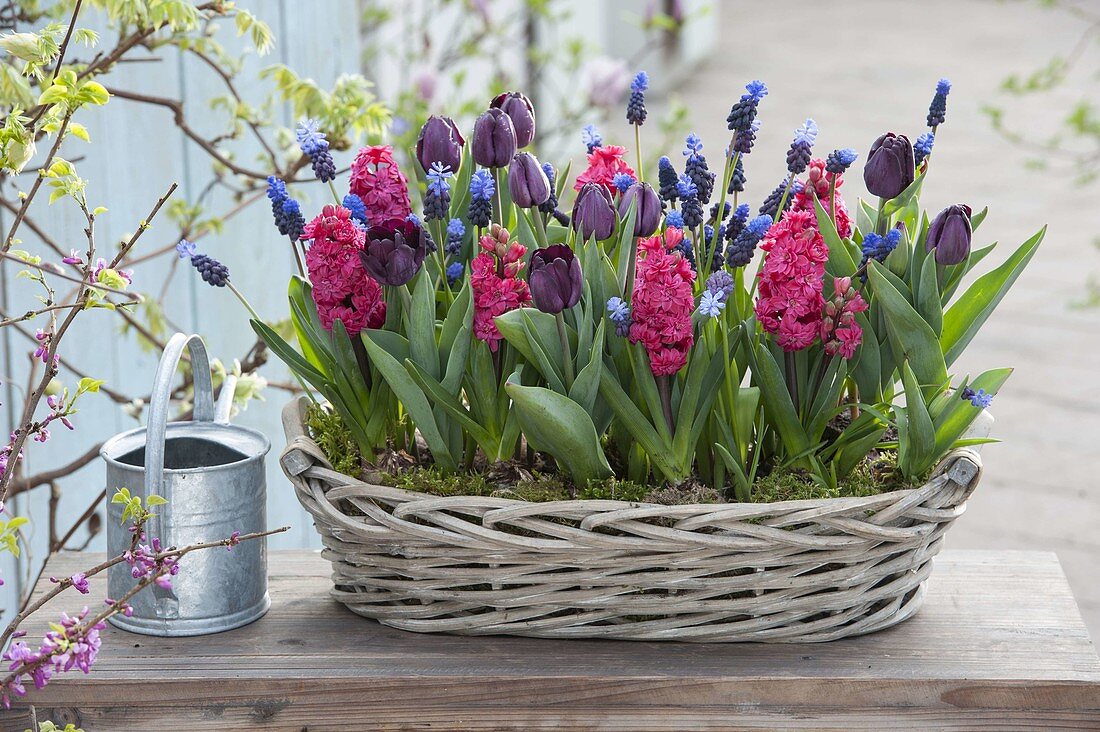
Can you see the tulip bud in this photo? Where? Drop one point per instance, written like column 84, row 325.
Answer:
column 890, row 166
column 494, row 141
column 950, row 234
column 521, row 112
column 527, row 181
column 647, row 208
column 394, row 251
column 440, row 142
column 594, row 213
column 555, row 279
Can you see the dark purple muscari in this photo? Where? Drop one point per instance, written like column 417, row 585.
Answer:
column 527, row 182
column 522, row 113
column 394, row 251
column 737, row 180
column 950, row 234
column 213, row 272
column 890, row 166
column 494, row 143
column 594, row 212
column 667, row 179
column 439, row 142
column 550, row 204
column 555, row 279
column 647, row 207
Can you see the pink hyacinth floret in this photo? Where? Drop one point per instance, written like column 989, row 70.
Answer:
column 497, row 287
column 662, row 302
column 840, row 333
column 819, row 180
column 789, row 302
column 604, row 163
column 379, row 182
column 342, row 289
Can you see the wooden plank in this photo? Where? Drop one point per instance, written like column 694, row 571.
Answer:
column 998, row 642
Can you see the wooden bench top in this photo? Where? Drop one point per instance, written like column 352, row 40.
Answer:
column 999, row 640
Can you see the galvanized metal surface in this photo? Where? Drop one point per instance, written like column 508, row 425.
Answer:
column 212, row 475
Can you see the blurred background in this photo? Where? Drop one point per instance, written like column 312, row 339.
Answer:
column 213, row 110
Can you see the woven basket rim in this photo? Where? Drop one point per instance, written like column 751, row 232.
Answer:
column 298, row 441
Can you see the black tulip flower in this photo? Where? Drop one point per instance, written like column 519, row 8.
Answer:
column 594, row 212
column 519, row 109
column 394, row 251
column 890, row 166
column 440, row 142
column 950, row 234
column 647, row 206
column 494, row 142
column 527, row 181
column 555, row 279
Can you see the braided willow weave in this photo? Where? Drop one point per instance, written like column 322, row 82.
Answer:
column 796, row 571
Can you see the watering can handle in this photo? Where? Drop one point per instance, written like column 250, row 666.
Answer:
column 162, row 391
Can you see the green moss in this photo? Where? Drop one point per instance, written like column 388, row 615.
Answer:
column 335, row 440
column 878, row 473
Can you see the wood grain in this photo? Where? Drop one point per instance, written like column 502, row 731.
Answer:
column 999, row 644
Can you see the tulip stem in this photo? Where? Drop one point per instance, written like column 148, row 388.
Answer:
column 540, row 228
column 881, row 221
column 566, row 352
column 498, row 199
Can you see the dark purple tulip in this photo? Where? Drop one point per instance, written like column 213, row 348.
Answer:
column 950, row 234
column 440, row 142
column 555, row 279
column 394, row 251
column 594, row 213
column 648, row 208
column 527, row 181
column 519, row 109
column 890, row 166
column 494, row 141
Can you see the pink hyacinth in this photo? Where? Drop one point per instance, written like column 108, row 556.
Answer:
column 839, row 330
column 819, row 181
column 497, row 287
column 342, row 289
column 789, row 302
column 604, row 163
column 662, row 302
column 379, row 182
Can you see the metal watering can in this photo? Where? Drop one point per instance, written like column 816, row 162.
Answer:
column 212, row 475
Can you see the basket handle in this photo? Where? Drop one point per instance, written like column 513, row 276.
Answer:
column 162, row 391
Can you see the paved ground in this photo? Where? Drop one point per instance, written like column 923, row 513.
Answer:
column 862, row 67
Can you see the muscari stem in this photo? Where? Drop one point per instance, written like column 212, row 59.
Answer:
column 335, row 195
column 783, row 200
column 638, row 149
column 257, row 318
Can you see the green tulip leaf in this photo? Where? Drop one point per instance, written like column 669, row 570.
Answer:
column 556, row 424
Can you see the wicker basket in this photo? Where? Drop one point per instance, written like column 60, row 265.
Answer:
column 796, row 571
